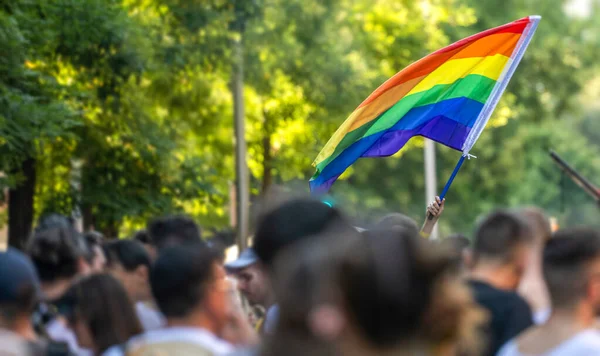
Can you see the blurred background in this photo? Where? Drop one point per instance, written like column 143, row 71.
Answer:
column 114, row 111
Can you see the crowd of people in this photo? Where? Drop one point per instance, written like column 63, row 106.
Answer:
column 312, row 283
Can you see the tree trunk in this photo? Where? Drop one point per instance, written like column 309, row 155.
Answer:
column 267, row 152
column 20, row 206
column 267, row 163
column 110, row 229
column 89, row 220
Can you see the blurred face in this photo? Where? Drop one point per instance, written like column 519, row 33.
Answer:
column 99, row 261
column 151, row 251
column 136, row 282
column 253, row 284
column 218, row 301
column 594, row 285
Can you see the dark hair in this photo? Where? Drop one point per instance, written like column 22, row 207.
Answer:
column 128, row 253
column 388, row 283
column 457, row 243
column 101, row 302
column 292, row 222
column 24, row 304
column 397, row 219
column 173, row 230
column 143, row 237
column 392, row 285
column 498, row 235
column 92, row 239
column 566, row 258
column 456, row 246
column 304, row 279
column 55, row 252
column 180, row 277
column 52, row 221
column 218, row 247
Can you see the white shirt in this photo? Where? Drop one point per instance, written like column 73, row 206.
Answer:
column 59, row 331
column 541, row 316
column 150, row 318
column 172, row 340
column 12, row 344
column 586, row 343
column 271, row 319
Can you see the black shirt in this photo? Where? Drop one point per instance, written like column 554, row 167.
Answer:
column 509, row 314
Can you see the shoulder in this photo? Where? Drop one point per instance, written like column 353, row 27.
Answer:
column 509, row 349
column 116, row 350
column 487, row 294
column 518, row 302
column 586, row 343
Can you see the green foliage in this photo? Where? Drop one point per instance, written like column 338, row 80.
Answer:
column 126, row 106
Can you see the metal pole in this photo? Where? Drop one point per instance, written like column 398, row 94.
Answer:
column 241, row 168
column 430, row 178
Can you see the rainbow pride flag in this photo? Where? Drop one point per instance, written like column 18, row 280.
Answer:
column 447, row 96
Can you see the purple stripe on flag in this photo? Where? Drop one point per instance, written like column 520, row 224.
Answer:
column 440, row 129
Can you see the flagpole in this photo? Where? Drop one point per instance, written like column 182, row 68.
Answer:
column 430, row 177
column 450, row 180
column 452, row 176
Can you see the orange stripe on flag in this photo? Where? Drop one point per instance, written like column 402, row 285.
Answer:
column 485, row 46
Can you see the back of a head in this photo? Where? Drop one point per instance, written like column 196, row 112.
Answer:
column 499, row 235
column 93, row 238
column 52, row 221
column 143, row 237
column 56, row 252
column 387, row 285
column 397, row 286
column 304, row 275
column 129, row 254
column 457, row 245
column 292, row 222
column 19, row 287
column 539, row 224
column 567, row 257
column 173, row 230
column 180, row 278
column 101, row 302
column 400, row 220
column 458, row 242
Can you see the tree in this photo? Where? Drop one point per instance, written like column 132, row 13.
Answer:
column 32, row 114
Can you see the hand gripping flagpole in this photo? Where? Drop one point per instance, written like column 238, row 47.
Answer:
column 489, row 107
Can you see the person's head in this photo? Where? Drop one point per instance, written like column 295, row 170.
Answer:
column 502, row 243
column 252, row 278
column 571, row 269
column 19, row 292
column 373, row 293
column 396, row 288
column 52, row 221
column 400, row 220
column 292, row 222
column 100, row 312
column 128, row 261
column 189, row 286
column 58, row 253
column 539, row 225
column 459, row 246
column 143, row 237
column 95, row 255
column 173, row 230
column 219, row 248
